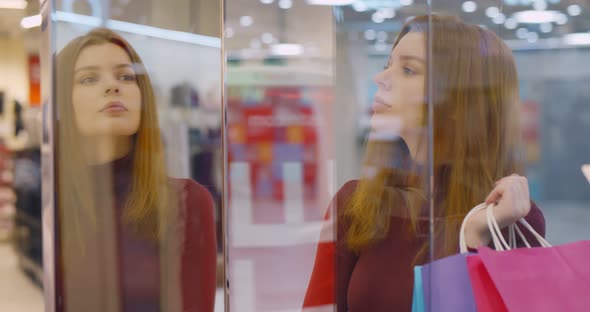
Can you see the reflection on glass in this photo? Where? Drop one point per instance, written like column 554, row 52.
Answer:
column 130, row 237
column 384, row 219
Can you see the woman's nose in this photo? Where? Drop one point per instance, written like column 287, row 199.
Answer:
column 111, row 90
column 381, row 80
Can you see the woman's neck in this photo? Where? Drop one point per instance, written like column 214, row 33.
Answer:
column 102, row 150
column 417, row 144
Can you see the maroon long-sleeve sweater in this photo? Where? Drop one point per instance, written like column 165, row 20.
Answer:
column 138, row 259
column 381, row 277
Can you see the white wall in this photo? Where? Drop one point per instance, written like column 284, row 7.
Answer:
column 14, row 81
column 13, row 69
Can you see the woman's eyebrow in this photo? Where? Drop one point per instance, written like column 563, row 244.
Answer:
column 412, row 58
column 91, row 67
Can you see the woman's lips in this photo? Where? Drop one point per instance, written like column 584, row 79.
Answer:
column 114, row 107
column 379, row 105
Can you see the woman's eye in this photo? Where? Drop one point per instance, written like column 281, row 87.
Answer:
column 127, row 77
column 88, row 80
column 409, row 71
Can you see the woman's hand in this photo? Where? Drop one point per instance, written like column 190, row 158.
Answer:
column 512, row 202
column 511, row 199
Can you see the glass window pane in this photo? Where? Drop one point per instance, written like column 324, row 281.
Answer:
column 137, row 154
column 325, row 191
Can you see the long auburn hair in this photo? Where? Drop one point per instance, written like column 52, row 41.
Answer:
column 476, row 137
column 77, row 184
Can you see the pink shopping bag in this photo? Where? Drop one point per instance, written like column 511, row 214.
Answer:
column 537, row 279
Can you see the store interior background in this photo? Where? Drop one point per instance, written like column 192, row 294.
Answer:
column 314, row 62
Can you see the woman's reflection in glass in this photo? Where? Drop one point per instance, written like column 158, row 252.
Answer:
column 131, row 238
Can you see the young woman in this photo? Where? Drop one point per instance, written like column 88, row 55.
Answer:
column 383, row 219
column 131, row 238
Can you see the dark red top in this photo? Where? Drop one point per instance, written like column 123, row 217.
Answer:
column 138, row 258
column 381, row 277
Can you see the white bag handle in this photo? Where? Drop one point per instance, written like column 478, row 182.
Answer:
column 496, row 233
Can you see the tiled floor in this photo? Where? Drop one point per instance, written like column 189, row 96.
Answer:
column 17, row 292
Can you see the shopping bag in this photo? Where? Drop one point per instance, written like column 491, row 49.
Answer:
column 418, row 299
column 446, row 285
column 540, row 279
column 485, row 294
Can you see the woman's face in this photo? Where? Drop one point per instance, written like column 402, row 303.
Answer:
column 398, row 105
column 105, row 96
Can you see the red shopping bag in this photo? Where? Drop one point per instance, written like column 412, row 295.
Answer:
column 487, row 297
column 537, row 279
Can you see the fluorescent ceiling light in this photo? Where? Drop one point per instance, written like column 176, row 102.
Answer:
column 360, row 6
column 511, row 23
column 31, row 21
column 491, row 12
column 330, row 2
column 469, row 6
column 577, row 39
column 286, row 49
column 285, row 4
column 537, row 17
column 574, row 10
column 586, row 171
column 138, row 29
column 13, row 4
column 540, row 5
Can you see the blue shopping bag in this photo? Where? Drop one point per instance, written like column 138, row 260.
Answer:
column 418, row 299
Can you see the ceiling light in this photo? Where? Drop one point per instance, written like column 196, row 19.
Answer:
column 285, row 4
column 370, row 34
column 532, row 37
column 330, row 2
column 546, row 27
column 511, row 23
column 142, row 30
column 491, row 12
column 540, row 5
column 13, row 4
column 286, row 49
column 499, row 19
column 469, row 6
column 377, row 18
column 561, row 19
column 360, row 6
column 229, row 32
column 267, row 38
column 246, row 21
column 406, row 2
column 536, row 17
column 387, row 12
column 31, row 21
column 522, row 33
column 574, row 10
column 267, row 1
column 577, row 39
